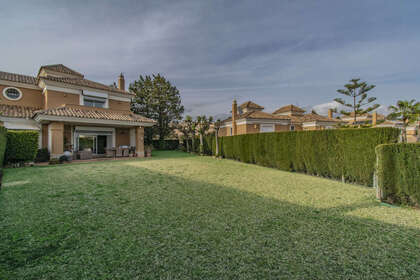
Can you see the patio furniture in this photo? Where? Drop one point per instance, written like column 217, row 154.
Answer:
column 132, row 151
column 110, row 152
column 85, row 154
column 119, row 152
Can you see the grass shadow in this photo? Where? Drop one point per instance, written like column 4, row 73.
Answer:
column 152, row 225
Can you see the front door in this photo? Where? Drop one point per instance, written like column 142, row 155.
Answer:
column 101, row 144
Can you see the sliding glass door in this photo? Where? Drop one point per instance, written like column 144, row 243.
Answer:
column 87, row 142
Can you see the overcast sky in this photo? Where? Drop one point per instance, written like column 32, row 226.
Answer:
column 271, row 52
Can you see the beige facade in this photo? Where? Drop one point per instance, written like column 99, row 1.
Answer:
column 119, row 105
column 70, row 112
column 250, row 118
column 30, row 97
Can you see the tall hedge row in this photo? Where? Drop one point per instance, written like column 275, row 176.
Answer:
column 3, row 142
column 347, row 154
column 398, row 173
column 21, row 146
column 169, row 144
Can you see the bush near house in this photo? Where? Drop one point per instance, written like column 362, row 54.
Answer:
column 42, row 155
column 3, row 141
column 398, row 173
column 21, row 146
column 347, row 154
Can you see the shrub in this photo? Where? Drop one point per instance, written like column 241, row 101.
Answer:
column 347, row 154
column 3, row 142
column 398, row 173
column 166, row 144
column 21, row 146
column 43, row 155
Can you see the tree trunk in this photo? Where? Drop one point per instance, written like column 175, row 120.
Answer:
column 193, row 144
column 201, row 144
column 217, row 143
column 404, row 134
column 188, row 145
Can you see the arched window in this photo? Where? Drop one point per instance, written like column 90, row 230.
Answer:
column 12, row 93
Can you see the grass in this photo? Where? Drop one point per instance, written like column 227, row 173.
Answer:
column 178, row 216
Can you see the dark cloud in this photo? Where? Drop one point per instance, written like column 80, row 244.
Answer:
column 272, row 52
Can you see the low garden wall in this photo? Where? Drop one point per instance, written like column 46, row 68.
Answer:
column 398, row 173
column 344, row 154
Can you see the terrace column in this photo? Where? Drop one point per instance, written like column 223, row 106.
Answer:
column 140, row 141
column 56, row 139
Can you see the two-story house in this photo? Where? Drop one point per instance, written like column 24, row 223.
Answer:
column 249, row 118
column 71, row 112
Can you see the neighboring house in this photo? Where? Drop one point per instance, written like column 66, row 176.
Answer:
column 250, row 118
column 70, row 112
column 378, row 120
column 367, row 118
column 412, row 130
column 302, row 121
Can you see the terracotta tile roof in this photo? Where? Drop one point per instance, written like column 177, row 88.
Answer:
column 85, row 83
column 76, row 111
column 311, row 117
column 258, row 115
column 289, row 108
column 250, row 104
column 61, row 69
column 17, row 78
column 16, row 111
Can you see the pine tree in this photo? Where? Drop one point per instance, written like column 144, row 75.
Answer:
column 358, row 93
column 156, row 98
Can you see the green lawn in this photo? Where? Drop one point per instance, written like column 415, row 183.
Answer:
column 178, row 216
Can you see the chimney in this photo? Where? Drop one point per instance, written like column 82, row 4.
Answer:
column 121, row 82
column 330, row 113
column 234, row 115
column 374, row 118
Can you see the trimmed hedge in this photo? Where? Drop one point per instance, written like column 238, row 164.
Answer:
column 398, row 173
column 345, row 154
column 3, row 142
column 21, row 146
column 166, row 144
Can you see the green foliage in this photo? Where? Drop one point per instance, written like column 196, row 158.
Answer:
column 398, row 172
column 157, row 99
column 180, row 216
column 358, row 94
column 166, row 144
column 203, row 125
column 21, row 146
column 3, row 141
column 405, row 111
column 43, row 155
column 347, row 154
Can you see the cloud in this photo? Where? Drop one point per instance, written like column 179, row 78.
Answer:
column 275, row 54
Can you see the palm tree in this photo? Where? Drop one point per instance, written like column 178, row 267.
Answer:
column 184, row 129
column 203, row 124
column 217, row 125
column 407, row 111
column 190, row 127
